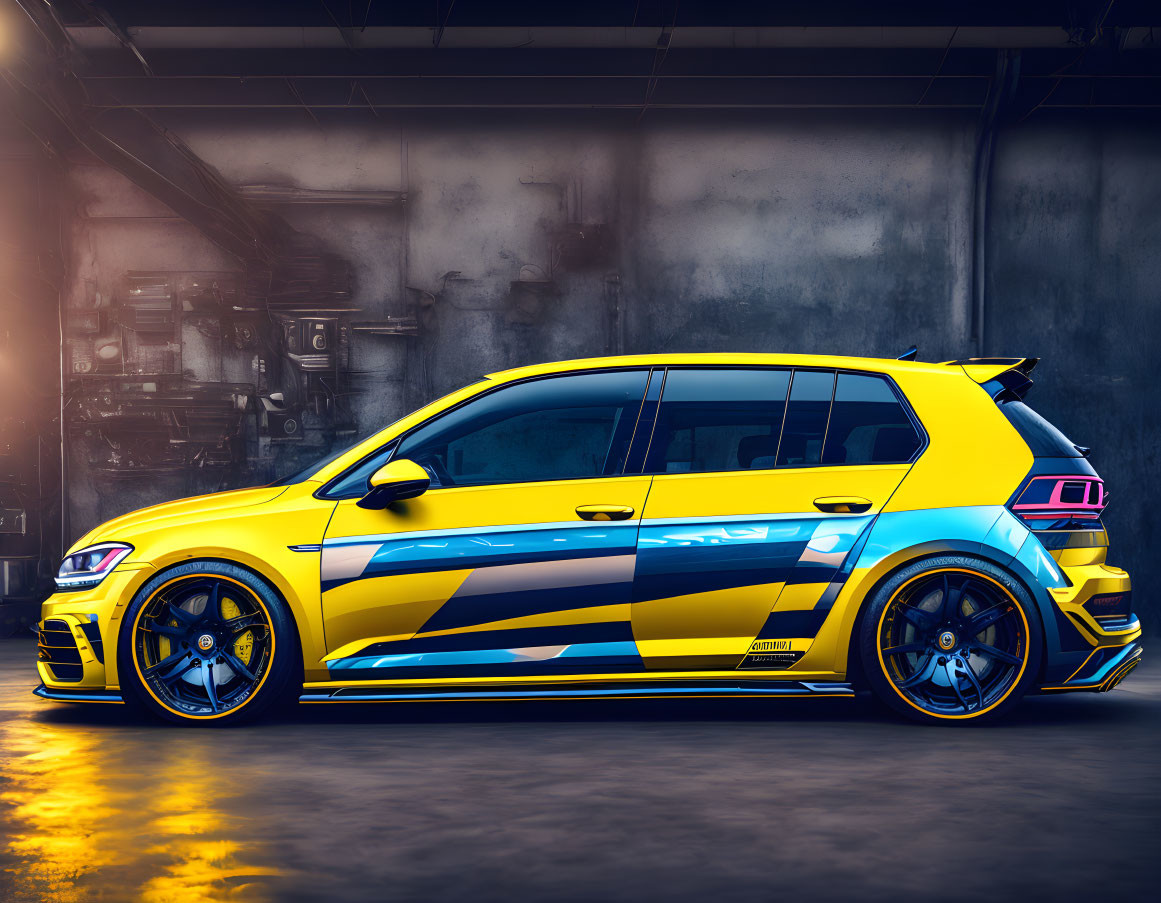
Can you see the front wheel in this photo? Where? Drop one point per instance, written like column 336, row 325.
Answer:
column 207, row 642
column 951, row 639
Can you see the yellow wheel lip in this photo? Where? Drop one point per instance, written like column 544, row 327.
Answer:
column 137, row 665
column 952, row 570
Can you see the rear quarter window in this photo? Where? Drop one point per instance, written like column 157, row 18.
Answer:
column 1043, row 439
column 868, row 424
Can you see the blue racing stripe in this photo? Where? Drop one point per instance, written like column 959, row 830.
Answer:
column 625, row 652
column 717, row 553
column 469, row 610
column 518, row 637
column 513, row 545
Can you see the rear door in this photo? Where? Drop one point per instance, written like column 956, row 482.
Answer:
column 764, row 480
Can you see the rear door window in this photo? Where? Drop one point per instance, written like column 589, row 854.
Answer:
column 718, row 420
column 868, row 424
column 806, row 418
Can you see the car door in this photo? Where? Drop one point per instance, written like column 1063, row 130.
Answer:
column 765, row 480
column 518, row 560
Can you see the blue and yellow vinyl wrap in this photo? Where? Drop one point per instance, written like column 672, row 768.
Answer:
column 733, row 576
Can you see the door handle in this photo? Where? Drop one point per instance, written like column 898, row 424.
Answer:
column 604, row 512
column 842, row 504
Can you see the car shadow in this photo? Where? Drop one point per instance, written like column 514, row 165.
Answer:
column 1035, row 711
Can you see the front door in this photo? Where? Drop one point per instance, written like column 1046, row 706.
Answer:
column 519, row 558
column 765, row 479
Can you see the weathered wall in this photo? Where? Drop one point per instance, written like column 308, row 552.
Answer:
column 1075, row 252
column 814, row 233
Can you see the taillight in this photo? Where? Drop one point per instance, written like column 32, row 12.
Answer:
column 1049, row 499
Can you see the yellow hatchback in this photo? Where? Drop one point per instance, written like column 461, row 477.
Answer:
column 716, row 525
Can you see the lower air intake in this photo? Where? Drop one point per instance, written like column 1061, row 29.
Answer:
column 57, row 648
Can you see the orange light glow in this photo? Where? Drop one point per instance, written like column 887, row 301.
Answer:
column 158, row 831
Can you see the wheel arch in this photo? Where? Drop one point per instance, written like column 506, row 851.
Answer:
column 905, row 558
column 171, row 566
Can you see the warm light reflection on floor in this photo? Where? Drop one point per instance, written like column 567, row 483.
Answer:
column 84, row 824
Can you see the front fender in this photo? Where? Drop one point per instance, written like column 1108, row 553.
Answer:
column 260, row 538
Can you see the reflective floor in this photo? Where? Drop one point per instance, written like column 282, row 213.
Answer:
column 747, row 800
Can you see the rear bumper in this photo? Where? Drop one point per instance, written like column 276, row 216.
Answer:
column 1105, row 667
column 1110, row 647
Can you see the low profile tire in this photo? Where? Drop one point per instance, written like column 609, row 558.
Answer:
column 951, row 639
column 207, row 642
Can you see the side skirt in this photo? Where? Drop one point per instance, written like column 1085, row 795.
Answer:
column 573, row 690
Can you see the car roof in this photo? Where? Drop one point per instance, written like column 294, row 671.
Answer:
column 829, row 361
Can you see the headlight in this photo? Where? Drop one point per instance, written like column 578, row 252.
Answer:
column 88, row 567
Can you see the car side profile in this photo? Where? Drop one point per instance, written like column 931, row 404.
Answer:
column 714, row 525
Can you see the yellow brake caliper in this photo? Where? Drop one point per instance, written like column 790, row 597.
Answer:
column 244, row 645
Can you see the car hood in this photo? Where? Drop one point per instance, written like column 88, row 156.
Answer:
column 202, row 507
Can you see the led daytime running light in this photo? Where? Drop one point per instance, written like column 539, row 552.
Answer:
column 89, row 566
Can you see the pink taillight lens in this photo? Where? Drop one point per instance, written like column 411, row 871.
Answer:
column 1050, row 498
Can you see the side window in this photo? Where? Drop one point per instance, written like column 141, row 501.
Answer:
column 868, row 425
column 806, row 417
column 718, row 420
column 354, row 483
column 558, row 428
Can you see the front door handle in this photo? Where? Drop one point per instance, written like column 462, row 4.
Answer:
column 842, row 504
column 604, row 512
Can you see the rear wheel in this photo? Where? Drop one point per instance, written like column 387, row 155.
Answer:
column 207, row 642
column 951, row 639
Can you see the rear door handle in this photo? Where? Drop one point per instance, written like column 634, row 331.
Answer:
column 604, row 512
column 842, row 504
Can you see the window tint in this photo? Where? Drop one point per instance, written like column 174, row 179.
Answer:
column 354, row 483
column 868, row 424
column 559, row 428
column 717, row 420
column 806, row 416
column 1044, row 440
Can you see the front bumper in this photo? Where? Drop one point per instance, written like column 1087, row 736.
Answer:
column 79, row 695
column 77, row 648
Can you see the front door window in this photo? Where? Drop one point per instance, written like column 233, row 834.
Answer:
column 561, row 428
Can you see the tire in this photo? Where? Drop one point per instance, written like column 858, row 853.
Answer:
column 951, row 639
column 188, row 661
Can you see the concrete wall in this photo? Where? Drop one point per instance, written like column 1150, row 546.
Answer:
column 814, row 233
column 1075, row 251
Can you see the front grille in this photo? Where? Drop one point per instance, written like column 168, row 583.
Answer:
column 57, row 648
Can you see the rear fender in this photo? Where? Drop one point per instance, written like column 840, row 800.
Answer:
column 988, row 532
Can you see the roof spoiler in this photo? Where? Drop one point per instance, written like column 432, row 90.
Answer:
column 1003, row 378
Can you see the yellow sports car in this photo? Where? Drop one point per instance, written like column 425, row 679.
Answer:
column 675, row 525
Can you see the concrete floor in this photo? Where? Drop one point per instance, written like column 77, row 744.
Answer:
column 749, row 800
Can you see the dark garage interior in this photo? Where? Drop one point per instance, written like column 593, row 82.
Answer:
column 236, row 237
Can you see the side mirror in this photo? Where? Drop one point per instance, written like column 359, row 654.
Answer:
column 394, row 482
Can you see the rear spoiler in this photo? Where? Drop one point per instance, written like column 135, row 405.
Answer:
column 1003, row 378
